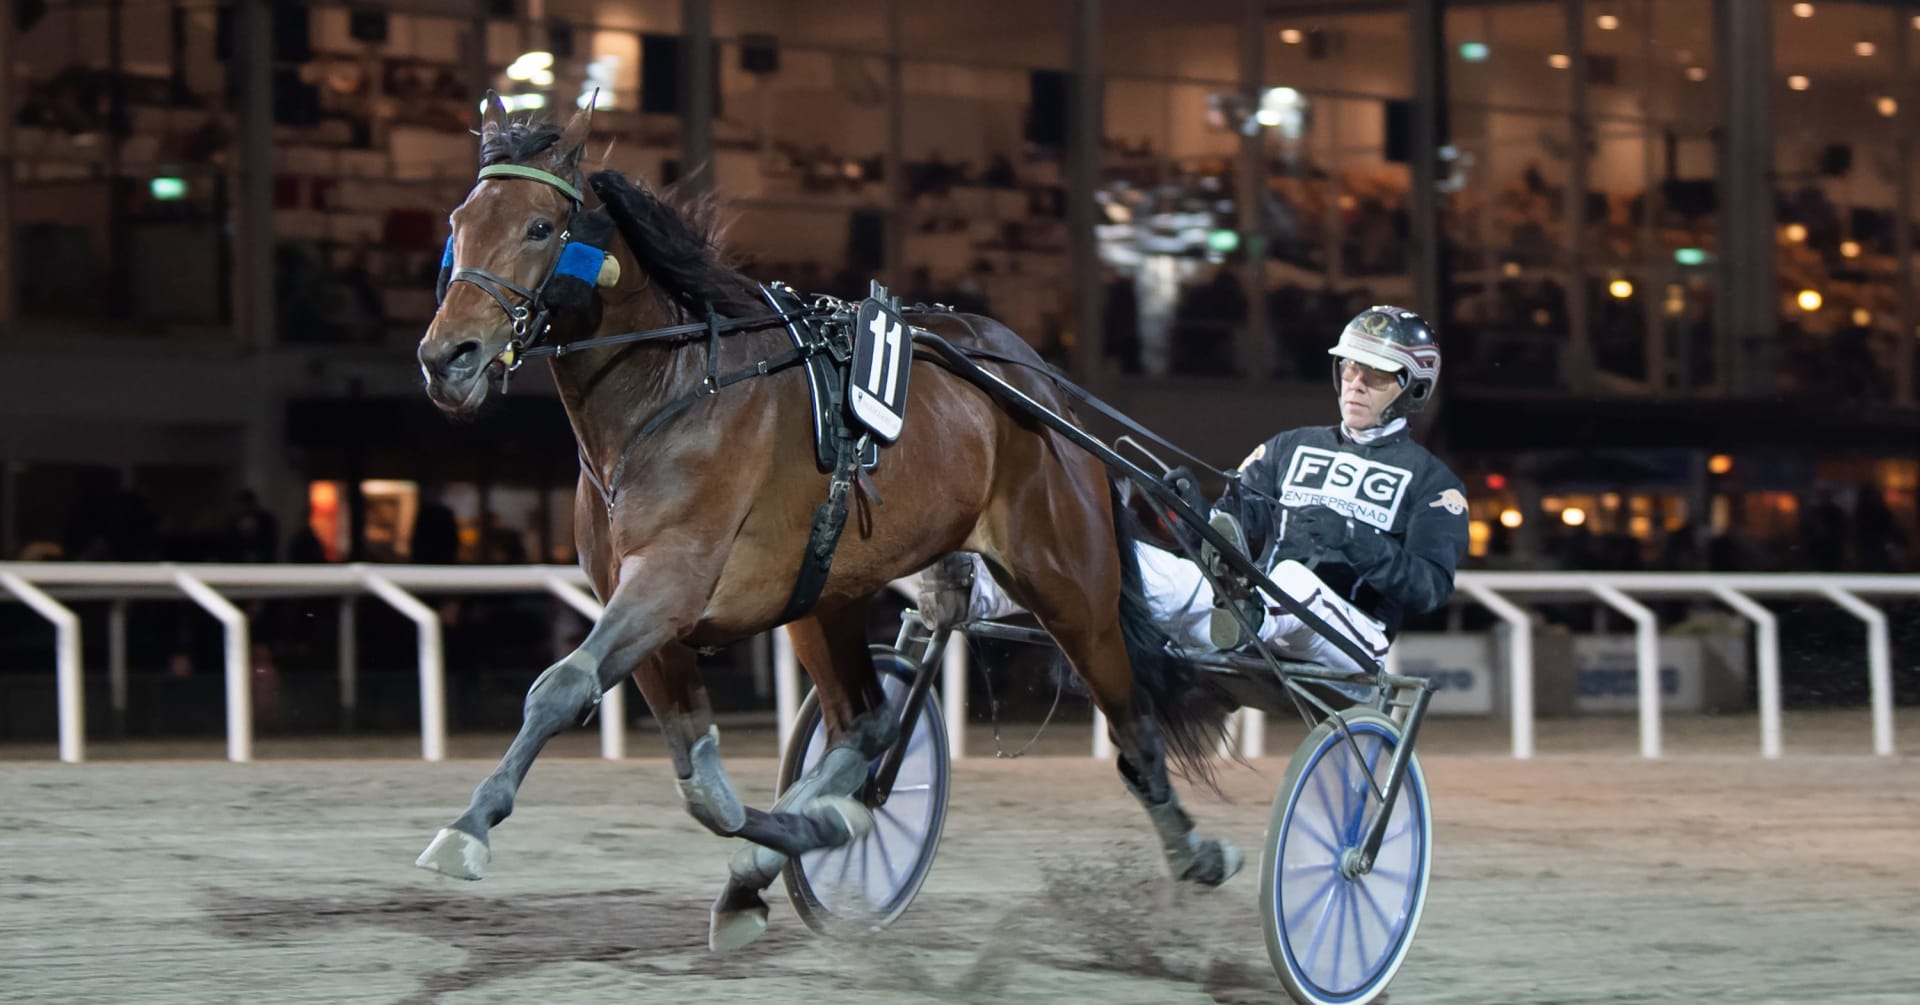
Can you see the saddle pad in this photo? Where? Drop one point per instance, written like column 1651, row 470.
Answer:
column 826, row 383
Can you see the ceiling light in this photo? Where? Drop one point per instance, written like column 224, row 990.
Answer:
column 1863, row 48
column 1559, row 60
column 1607, row 22
column 1803, row 10
column 1795, row 232
column 1862, row 317
column 1292, row 36
column 1887, row 107
column 1809, row 300
column 1696, row 73
column 1798, row 82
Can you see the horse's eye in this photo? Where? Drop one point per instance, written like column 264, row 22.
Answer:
column 540, row 230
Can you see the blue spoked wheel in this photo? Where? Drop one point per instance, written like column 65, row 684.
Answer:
column 864, row 886
column 1337, row 938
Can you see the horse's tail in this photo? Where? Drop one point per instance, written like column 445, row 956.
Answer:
column 1191, row 714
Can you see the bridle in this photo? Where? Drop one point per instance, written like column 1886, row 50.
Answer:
column 582, row 265
column 532, row 315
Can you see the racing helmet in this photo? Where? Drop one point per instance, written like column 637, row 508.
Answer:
column 1398, row 341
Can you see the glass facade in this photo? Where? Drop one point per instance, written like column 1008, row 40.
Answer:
column 1253, row 171
column 1579, row 182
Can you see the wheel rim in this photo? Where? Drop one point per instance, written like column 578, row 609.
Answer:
column 1343, row 934
column 877, row 874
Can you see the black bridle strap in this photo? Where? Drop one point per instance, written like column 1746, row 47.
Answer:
column 498, row 287
column 711, row 327
column 710, row 387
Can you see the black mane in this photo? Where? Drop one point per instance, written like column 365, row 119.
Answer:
column 675, row 238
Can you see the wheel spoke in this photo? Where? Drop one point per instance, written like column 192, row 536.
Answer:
column 1339, row 931
column 1360, row 955
column 1391, row 875
column 1320, row 789
column 912, row 834
column 846, row 862
column 1387, row 920
column 1296, row 919
column 886, row 865
column 1319, row 836
column 1401, row 822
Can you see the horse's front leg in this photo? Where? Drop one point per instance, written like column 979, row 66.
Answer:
column 636, row 623
column 812, row 813
column 833, row 648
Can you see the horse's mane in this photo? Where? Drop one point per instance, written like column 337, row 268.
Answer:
column 674, row 235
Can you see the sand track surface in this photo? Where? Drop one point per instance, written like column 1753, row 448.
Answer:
column 1560, row 880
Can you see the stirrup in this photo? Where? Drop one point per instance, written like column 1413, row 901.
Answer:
column 1224, row 628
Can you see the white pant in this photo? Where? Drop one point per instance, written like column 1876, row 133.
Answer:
column 1181, row 601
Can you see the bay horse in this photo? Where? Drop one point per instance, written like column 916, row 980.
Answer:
column 691, row 529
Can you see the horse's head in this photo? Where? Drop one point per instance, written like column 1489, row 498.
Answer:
column 505, row 250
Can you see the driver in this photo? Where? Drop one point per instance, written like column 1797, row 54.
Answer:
column 1355, row 520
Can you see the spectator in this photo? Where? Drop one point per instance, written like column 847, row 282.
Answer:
column 253, row 534
column 436, row 534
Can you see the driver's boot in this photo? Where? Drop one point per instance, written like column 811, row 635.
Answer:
column 1237, row 609
column 946, row 591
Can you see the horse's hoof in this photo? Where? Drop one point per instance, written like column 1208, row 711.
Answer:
column 455, row 853
column 735, row 929
column 852, row 814
column 1231, row 859
column 1213, row 863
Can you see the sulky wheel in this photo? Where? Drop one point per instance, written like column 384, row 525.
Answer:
column 1337, row 936
column 865, row 885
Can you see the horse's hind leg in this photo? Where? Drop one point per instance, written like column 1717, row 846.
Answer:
column 1143, row 769
column 833, row 648
column 1127, row 679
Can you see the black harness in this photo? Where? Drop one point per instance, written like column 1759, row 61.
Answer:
column 819, row 336
column 819, row 341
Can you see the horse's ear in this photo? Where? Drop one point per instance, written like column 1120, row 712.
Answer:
column 573, row 139
column 493, row 117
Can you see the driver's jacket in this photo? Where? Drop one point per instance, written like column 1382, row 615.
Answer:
column 1409, row 515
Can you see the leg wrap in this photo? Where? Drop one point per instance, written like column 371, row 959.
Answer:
column 838, row 774
column 1189, row 856
column 708, row 794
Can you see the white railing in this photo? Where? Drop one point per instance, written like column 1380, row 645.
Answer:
column 214, row 587
column 1614, row 588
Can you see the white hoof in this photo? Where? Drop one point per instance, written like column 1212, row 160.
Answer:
column 853, row 813
column 1231, row 859
column 728, row 931
column 455, row 853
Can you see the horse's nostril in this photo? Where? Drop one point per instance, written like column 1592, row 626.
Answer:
column 466, row 356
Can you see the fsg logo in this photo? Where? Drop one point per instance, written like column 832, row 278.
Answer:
column 1365, row 490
